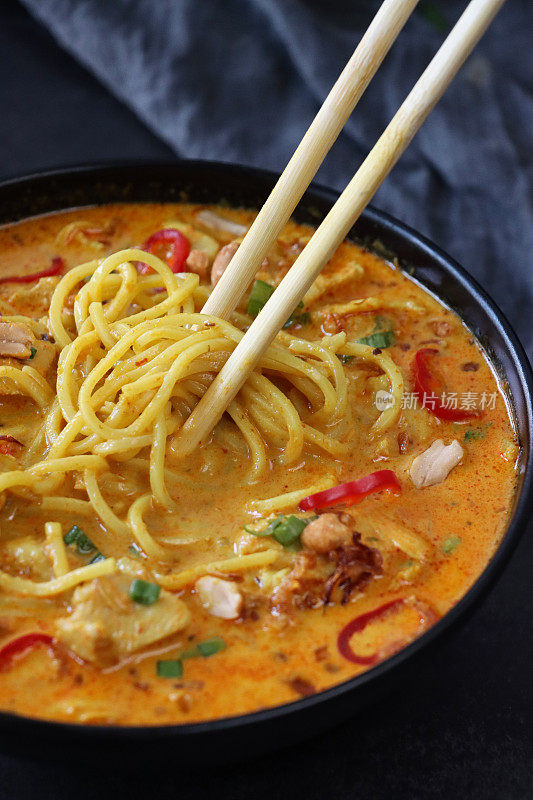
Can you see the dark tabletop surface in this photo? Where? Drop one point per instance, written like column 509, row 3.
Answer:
column 462, row 729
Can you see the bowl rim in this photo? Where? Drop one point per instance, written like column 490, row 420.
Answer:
column 500, row 557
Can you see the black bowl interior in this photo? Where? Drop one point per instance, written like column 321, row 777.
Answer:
column 205, row 182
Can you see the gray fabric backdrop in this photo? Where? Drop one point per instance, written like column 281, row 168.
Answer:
column 239, row 80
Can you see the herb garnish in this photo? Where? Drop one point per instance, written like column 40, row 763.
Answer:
column 262, row 292
column 76, row 536
column 382, row 336
column 451, row 544
column 285, row 530
column 144, row 592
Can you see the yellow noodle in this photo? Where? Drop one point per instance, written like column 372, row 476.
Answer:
column 399, row 535
column 96, row 313
column 290, row 499
column 29, row 607
column 139, row 529
column 178, row 581
column 319, row 439
column 28, row 381
column 256, row 447
column 157, row 463
column 67, row 505
column 24, row 586
column 106, row 514
column 67, row 283
column 384, row 362
column 54, row 539
column 365, row 304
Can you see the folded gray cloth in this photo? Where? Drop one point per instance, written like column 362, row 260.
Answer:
column 240, row 80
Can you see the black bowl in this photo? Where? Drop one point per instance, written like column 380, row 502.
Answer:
column 205, row 182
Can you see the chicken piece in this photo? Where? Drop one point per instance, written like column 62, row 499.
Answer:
column 326, row 533
column 26, row 557
column 198, row 262
column 328, row 282
column 16, row 340
column 35, row 300
column 106, row 625
column 44, row 357
column 435, row 464
column 222, row 259
column 219, row 597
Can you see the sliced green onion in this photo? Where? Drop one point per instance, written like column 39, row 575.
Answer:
column 295, row 547
column 475, row 433
column 345, row 359
column 382, row 336
column 33, row 350
column 261, row 292
column 290, row 322
column 268, row 531
column 304, row 318
column 76, row 536
column 98, row 557
column 381, row 339
column 298, row 319
column 207, row 648
column 144, row 592
column 72, row 535
column 285, row 530
column 289, row 530
column 451, row 544
column 211, row 646
column 84, row 545
column 172, row 668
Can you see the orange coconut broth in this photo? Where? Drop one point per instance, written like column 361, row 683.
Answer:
column 431, row 542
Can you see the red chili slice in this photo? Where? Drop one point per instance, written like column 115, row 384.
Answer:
column 430, row 389
column 178, row 248
column 358, row 624
column 17, row 648
column 353, row 492
column 56, row 267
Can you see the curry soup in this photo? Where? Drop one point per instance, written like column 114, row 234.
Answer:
column 356, row 488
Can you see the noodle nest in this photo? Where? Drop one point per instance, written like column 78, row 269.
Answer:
column 134, row 357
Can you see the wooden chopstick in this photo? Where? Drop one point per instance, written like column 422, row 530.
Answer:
column 309, row 155
column 334, row 228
